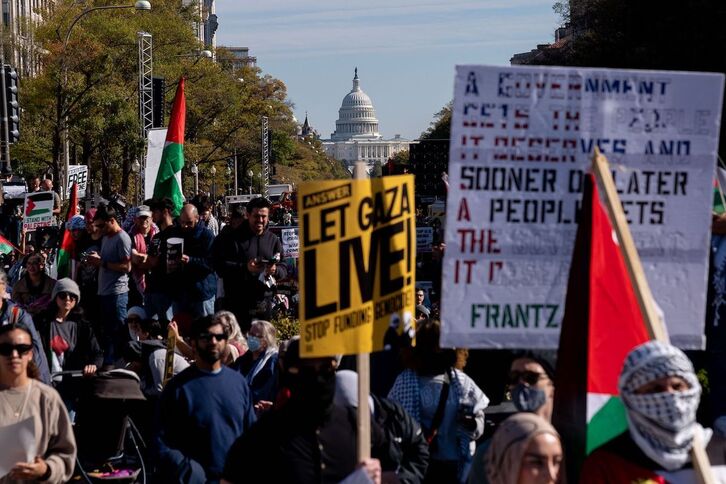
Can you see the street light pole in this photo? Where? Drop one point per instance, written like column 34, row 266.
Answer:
column 213, row 172
column 235, row 172
column 140, row 5
column 250, row 174
column 195, row 171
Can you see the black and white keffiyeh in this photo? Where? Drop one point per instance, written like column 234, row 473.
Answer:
column 663, row 425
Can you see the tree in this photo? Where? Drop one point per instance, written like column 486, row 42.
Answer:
column 440, row 127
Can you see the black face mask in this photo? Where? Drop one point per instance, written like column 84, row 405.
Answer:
column 313, row 390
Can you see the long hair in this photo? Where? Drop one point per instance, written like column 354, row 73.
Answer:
column 32, row 369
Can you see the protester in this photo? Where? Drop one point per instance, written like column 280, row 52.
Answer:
column 87, row 274
column 208, row 218
column 661, row 393
column 193, row 283
column 248, row 264
column 47, row 186
column 259, row 364
column 202, row 411
column 141, row 233
column 531, row 389
column 308, row 439
column 223, row 245
column 236, row 343
column 408, row 452
column 34, row 184
column 157, row 299
column 525, row 449
column 446, row 402
column 114, row 262
column 421, row 298
column 147, row 353
column 12, row 314
column 24, row 398
column 69, row 340
column 32, row 291
column 81, row 242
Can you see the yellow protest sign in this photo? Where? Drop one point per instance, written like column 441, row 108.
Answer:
column 357, row 264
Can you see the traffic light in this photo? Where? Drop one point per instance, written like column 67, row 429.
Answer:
column 11, row 100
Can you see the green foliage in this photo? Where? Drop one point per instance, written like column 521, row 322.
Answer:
column 441, row 125
column 286, row 327
column 93, row 82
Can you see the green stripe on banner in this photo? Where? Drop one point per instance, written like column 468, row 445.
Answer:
column 609, row 422
column 5, row 248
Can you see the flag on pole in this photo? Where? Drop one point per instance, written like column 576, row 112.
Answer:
column 168, row 179
column 68, row 245
column 602, row 323
column 6, row 246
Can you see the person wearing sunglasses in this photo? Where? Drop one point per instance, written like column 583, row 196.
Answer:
column 202, row 411
column 26, row 401
column 69, row 340
column 10, row 313
column 531, row 389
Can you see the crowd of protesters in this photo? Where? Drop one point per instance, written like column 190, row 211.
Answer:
column 243, row 406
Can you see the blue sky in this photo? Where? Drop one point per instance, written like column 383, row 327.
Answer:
column 405, row 50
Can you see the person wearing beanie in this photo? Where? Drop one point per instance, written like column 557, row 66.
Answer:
column 660, row 391
column 69, row 341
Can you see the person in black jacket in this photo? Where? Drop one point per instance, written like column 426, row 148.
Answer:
column 69, row 340
column 407, row 453
column 247, row 262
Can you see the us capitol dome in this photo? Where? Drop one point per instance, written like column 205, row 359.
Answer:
column 356, row 136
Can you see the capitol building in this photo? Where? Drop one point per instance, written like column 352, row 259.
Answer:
column 356, row 136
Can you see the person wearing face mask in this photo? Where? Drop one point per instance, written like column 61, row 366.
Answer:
column 202, row 411
column 259, row 364
column 308, row 439
column 531, row 389
column 661, row 393
column 525, row 449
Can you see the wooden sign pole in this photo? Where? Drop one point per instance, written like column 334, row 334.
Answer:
column 653, row 322
column 363, row 366
column 169, row 363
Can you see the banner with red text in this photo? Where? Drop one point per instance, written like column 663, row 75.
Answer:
column 522, row 139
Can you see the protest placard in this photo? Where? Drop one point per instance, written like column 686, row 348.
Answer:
column 78, row 174
column 38, row 210
column 290, row 242
column 522, row 139
column 424, row 239
column 357, row 264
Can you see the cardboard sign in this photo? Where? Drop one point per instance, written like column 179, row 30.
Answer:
column 424, row 239
column 38, row 210
column 521, row 140
column 290, row 243
column 78, row 174
column 357, row 264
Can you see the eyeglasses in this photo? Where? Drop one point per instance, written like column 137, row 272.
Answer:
column 66, row 295
column 528, row 377
column 6, row 349
column 216, row 336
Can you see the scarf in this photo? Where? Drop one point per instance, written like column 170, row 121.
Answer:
column 664, row 424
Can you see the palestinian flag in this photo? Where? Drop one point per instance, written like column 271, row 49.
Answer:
column 68, row 245
column 168, row 179
column 602, row 323
column 6, row 247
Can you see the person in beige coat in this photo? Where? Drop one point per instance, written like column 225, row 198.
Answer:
column 23, row 397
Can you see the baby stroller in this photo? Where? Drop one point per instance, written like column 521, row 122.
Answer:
column 107, row 439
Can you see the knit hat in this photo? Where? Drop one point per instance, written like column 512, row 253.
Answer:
column 136, row 311
column 90, row 213
column 66, row 285
column 77, row 222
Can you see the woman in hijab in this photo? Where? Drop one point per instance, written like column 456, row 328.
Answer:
column 661, row 393
column 525, row 449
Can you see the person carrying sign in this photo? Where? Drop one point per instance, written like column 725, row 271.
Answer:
column 248, row 262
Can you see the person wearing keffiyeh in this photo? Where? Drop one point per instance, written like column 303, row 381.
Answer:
column 661, row 393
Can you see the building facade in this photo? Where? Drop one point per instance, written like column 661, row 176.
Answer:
column 20, row 50
column 205, row 23
column 356, row 136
